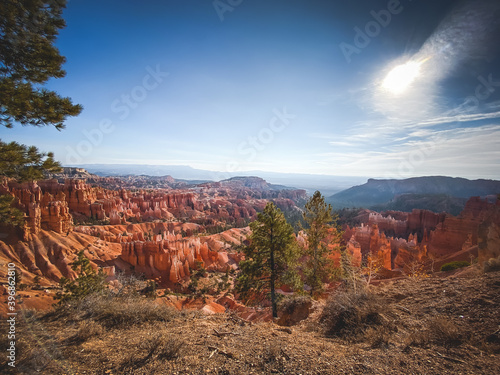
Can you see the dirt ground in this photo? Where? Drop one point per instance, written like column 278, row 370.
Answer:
column 447, row 324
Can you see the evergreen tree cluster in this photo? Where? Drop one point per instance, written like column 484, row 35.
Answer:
column 272, row 258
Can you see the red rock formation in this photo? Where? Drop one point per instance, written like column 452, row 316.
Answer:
column 50, row 254
column 354, row 248
column 489, row 234
column 388, row 224
column 420, row 221
column 43, row 210
column 170, row 258
column 430, row 236
column 202, row 205
column 367, row 239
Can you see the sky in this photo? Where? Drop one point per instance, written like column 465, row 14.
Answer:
column 351, row 88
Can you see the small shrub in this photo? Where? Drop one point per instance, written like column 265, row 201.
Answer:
column 273, row 358
column 349, row 315
column 164, row 346
column 419, row 338
column 441, row 331
column 289, row 304
column 444, row 332
column 36, row 281
column 170, row 348
column 87, row 330
column 272, row 353
column 492, row 265
column 454, row 265
column 378, row 337
column 294, row 309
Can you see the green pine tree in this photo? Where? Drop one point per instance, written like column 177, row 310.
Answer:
column 321, row 225
column 269, row 256
column 25, row 163
column 8, row 214
column 88, row 281
column 28, row 59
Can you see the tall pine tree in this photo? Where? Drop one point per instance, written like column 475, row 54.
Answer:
column 321, row 229
column 268, row 257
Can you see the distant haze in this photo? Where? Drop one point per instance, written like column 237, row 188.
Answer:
column 328, row 185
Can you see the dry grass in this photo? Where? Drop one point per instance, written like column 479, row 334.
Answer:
column 439, row 330
column 87, row 330
column 115, row 312
column 435, row 315
column 159, row 345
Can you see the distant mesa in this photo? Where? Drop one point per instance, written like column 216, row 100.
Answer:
column 435, row 193
column 253, row 182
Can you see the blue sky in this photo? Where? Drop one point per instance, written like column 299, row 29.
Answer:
column 282, row 85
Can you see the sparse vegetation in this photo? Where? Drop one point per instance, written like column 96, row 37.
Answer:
column 88, row 281
column 454, row 265
column 119, row 312
column 402, row 326
column 439, row 330
column 87, row 329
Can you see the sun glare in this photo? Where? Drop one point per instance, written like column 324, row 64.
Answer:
column 401, row 77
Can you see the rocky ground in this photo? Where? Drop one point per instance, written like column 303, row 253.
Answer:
column 448, row 324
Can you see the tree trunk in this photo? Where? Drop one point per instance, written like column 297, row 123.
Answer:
column 273, row 276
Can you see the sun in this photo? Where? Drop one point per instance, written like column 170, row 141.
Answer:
column 401, row 77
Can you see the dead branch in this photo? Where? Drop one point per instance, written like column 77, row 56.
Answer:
column 220, row 334
column 220, row 351
column 403, row 308
column 450, row 358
